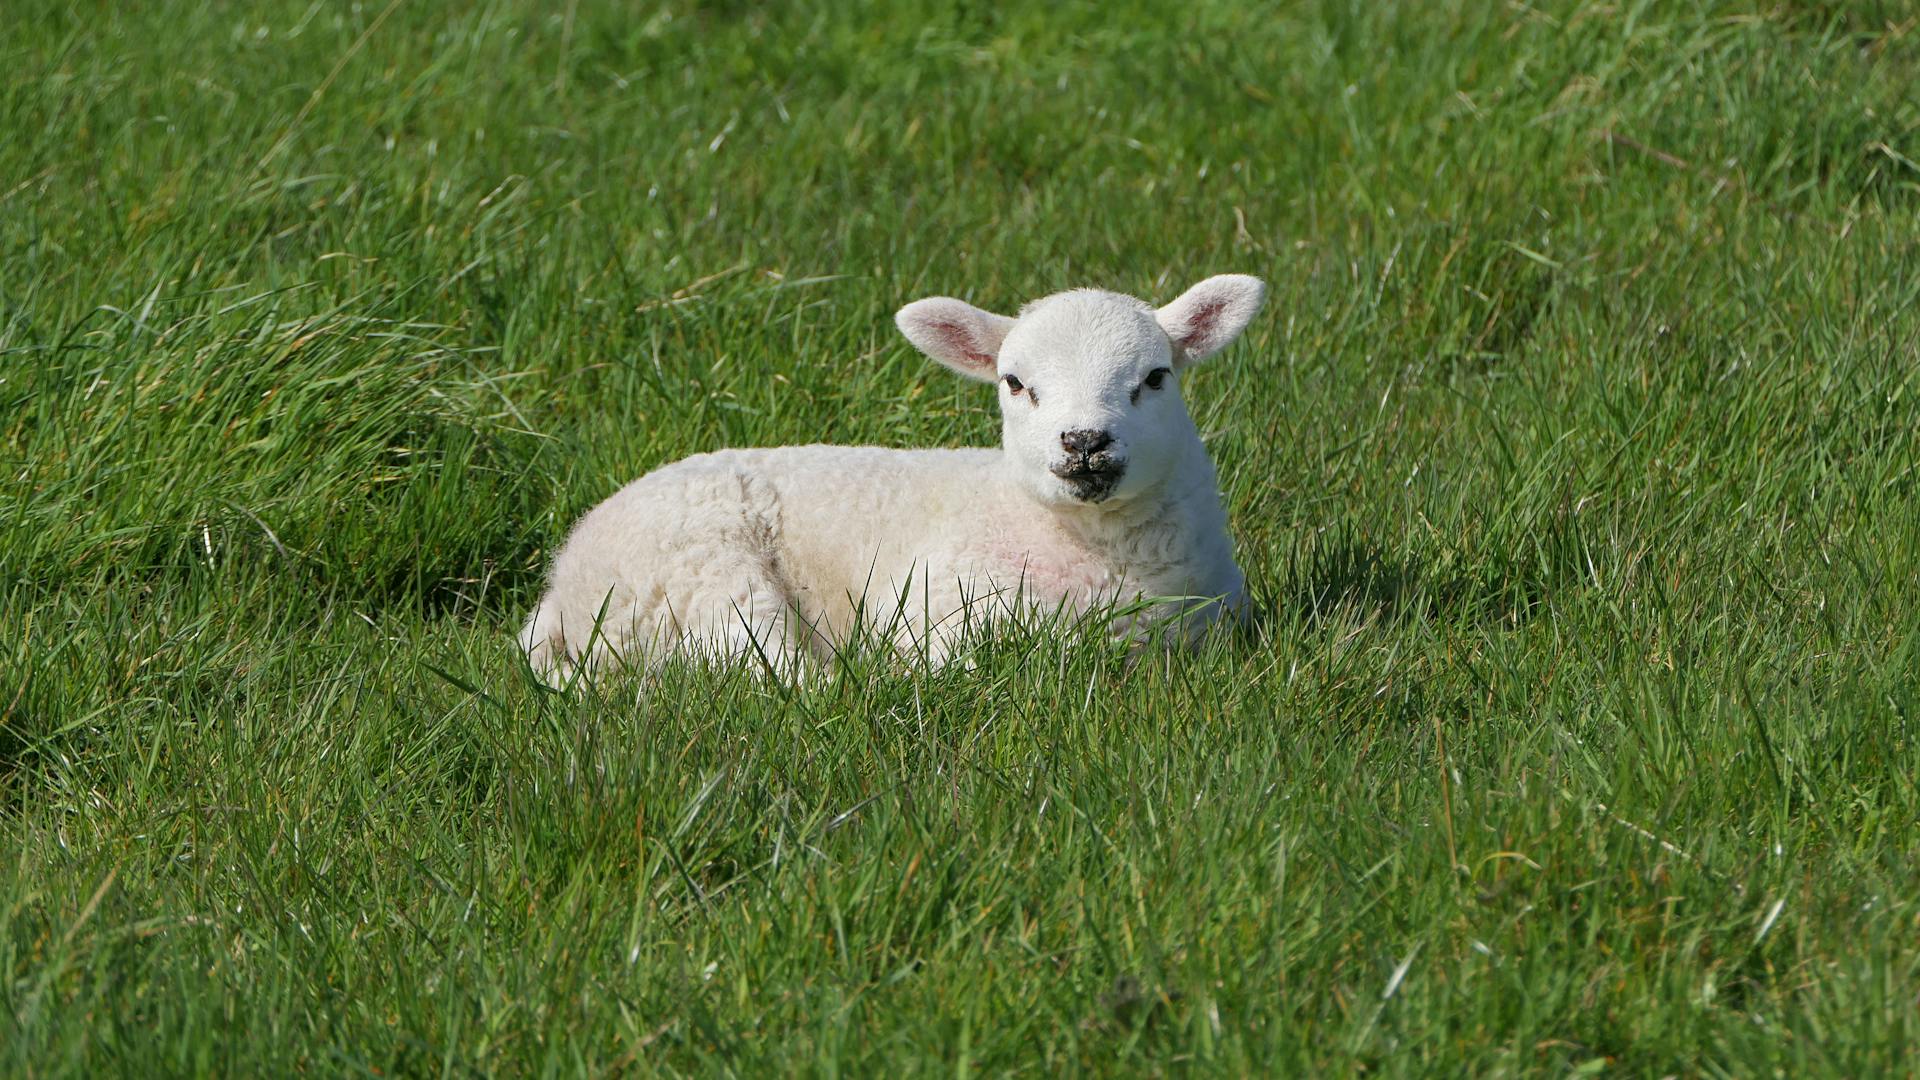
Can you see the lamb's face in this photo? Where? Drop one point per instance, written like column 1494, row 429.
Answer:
column 1089, row 403
column 1088, row 380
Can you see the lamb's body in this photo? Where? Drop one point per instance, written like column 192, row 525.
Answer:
column 779, row 552
column 1101, row 492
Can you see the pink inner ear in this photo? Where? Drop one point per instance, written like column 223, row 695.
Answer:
column 961, row 341
column 1200, row 322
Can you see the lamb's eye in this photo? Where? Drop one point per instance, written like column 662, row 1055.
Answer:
column 1155, row 380
column 1013, row 383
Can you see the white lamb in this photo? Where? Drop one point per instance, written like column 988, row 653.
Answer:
column 1101, row 493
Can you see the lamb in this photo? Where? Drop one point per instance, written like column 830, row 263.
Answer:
column 1101, row 493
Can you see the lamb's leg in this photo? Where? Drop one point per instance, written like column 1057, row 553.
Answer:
column 562, row 642
column 937, row 617
column 684, row 562
column 546, row 645
column 753, row 625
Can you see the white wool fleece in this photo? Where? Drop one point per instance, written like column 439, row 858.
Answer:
column 1101, row 492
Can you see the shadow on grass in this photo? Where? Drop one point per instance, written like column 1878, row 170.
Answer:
column 1351, row 576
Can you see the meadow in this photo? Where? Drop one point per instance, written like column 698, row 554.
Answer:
column 1572, row 464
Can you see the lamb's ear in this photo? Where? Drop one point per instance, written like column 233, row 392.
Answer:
column 957, row 334
column 1210, row 315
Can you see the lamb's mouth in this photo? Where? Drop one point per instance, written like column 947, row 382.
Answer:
column 1090, row 481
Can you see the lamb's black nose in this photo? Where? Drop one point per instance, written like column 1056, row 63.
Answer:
column 1085, row 441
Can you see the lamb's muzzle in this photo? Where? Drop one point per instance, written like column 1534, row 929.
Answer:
column 1090, row 469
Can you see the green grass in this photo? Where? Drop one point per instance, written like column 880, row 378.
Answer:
column 1573, row 461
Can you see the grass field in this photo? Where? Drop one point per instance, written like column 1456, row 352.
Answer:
column 1573, row 463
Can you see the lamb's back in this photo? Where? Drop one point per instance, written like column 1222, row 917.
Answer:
column 853, row 518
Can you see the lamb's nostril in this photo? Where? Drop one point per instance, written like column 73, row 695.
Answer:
column 1085, row 441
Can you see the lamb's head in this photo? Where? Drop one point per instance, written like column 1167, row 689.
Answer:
column 1089, row 381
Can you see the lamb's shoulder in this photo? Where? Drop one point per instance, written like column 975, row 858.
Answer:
column 1034, row 556
column 1153, row 551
